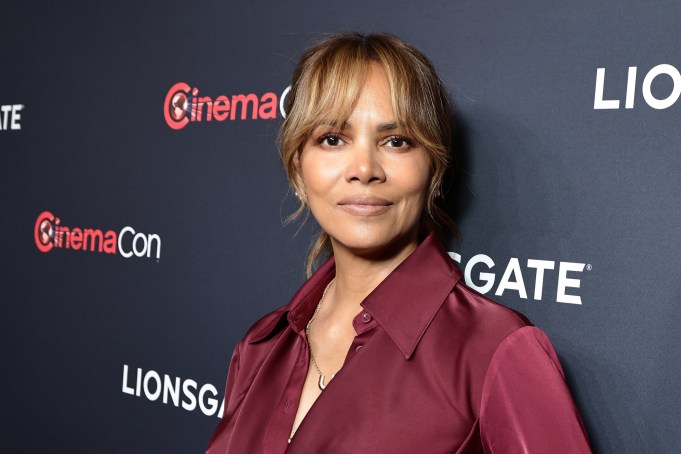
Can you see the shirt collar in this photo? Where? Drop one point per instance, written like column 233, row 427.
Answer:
column 404, row 304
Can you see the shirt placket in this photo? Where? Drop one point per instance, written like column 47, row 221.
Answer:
column 280, row 429
column 364, row 324
column 285, row 412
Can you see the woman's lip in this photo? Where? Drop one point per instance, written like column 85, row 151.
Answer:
column 365, row 210
column 364, row 205
column 364, row 200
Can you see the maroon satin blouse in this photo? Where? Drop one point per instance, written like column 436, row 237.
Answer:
column 434, row 368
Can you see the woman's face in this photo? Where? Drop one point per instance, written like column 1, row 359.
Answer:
column 365, row 181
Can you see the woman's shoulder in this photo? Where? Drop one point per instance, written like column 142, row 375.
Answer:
column 487, row 308
column 478, row 318
column 266, row 326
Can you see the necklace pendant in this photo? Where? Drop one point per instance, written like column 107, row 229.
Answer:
column 322, row 386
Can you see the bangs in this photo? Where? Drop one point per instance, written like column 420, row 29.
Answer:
column 335, row 85
column 329, row 83
column 334, row 88
column 416, row 109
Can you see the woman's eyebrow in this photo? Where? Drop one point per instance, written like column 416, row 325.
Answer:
column 332, row 123
column 388, row 126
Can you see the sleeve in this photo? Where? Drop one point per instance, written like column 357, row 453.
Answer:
column 526, row 404
column 218, row 442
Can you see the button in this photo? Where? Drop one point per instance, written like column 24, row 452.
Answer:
column 296, row 317
column 358, row 348
column 366, row 317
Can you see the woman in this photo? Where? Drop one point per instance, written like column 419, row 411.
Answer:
column 384, row 349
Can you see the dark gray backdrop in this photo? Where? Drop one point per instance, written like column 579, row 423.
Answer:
column 546, row 177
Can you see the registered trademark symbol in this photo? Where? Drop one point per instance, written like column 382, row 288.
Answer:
column 588, row 267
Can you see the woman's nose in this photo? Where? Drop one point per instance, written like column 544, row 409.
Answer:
column 365, row 164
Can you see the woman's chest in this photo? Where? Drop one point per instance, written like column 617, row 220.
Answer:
column 378, row 402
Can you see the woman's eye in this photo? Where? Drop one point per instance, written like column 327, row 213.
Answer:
column 331, row 140
column 399, row 142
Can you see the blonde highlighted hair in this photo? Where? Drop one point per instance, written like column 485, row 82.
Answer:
column 326, row 84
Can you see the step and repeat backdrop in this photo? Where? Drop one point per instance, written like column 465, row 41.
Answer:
column 144, row 202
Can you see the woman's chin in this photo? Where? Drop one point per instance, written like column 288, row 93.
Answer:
column 374, row 245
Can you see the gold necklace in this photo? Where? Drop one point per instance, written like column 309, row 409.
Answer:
column 321, row 384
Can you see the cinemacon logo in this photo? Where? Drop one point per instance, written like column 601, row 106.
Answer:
column 49, row 234
column 183, row 105
column 480, row 275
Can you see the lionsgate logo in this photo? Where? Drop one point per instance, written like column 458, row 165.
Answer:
column 183, row 105
column 480, row 274
column 184, row 393
column 10, row 117
column 49, row 233
column 656, row 72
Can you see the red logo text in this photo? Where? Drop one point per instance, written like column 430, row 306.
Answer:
column 184, row 105
column 49, row 233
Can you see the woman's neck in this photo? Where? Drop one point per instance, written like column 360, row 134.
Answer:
column 357, row 275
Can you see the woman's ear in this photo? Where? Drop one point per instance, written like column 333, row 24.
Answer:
column 296, row 161
column 299, row 170
column 298, row 184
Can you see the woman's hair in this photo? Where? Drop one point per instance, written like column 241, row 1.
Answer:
column 326, row 84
